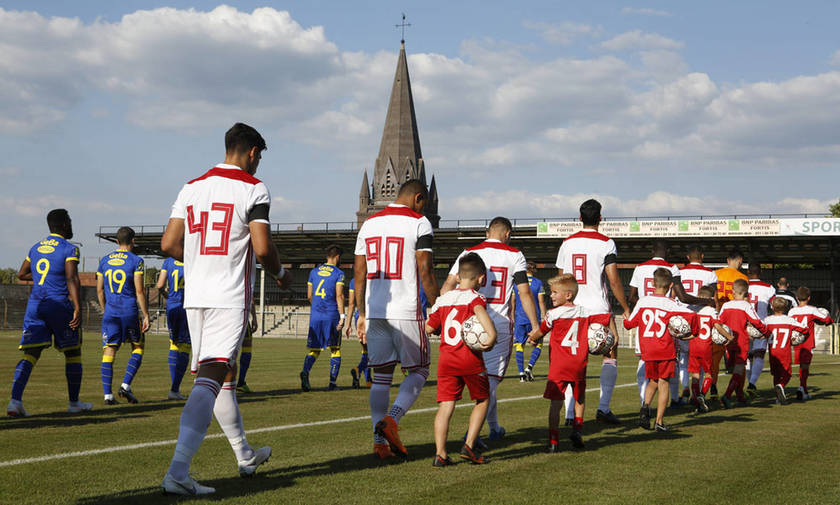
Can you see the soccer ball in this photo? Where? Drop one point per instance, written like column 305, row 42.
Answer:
column 600, row 339
column 717, row 337
column 753, row 332
column 679, row 327
column 797, row 338
column 474, row 335
column 822, row 313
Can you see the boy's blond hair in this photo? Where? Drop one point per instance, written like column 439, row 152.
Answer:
column 779, row 305
column 566, row 282
column 740, row 287
column 662, row 278
column 706, row 292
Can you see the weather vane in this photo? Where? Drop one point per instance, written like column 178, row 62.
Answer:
column 402, row 26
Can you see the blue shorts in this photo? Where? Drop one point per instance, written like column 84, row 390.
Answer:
column 47, row 319
column 520, row 332
column 116, row 330
column 323, row 334
column 176, row 319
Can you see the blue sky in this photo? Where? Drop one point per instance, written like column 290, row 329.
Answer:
column 656, row 108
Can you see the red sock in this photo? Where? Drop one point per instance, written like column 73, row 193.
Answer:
column 695, row 388
column 733, row 384
column 803, row 378
column 553, row 436
column 739, row 390
column 707, row 384
column 578, row 424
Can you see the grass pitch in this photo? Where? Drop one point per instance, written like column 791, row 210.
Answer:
column 758, row 454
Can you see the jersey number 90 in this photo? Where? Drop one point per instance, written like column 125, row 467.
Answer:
column 388, row 265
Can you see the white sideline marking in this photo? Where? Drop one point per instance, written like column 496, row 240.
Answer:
column 159, row 443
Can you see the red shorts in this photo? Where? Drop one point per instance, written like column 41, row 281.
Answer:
column 450, row 387
column 802, row 355
column 554, row 390
column 780, row 370
column 697, row 364
column 655, row 370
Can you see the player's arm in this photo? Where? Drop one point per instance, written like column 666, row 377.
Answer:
column 360, row 280
column 722, row 330
column 161, row 284
column 634, row 296
column 266, row 253
column 309, row 292
column 541, row 300
column 487, row 323
column 100, row 290
column 172, row 241
column 74, row 288
column 527, row 302
column 679, row 291
column 450, row 284
column 339, row 301
column 25, row 272
column 253, row 321
column 351, row 307
column 141, row 300
column 616, row 287
column 426, row 268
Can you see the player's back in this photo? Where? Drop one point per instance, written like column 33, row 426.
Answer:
column 642, row 278
column 585, row 254
column 702, row 344
column 389, row 241
column 47, row 260
column 569, row 342
column 503, row 263
column 726, row 277
column 449, row 313
column 118, row 270
column 536, row 287
column 324, row 279
column 694, row 276
column 737, row 314
column 174, row 271
column 219, row 262
column 651, row 315
column 780, row 329
column 760, row 295
column 808, row 315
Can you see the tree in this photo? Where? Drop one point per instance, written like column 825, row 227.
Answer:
column 8, row 276
column 835, row 209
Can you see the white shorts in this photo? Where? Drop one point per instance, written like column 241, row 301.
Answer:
column 216, row 335
column 496, row 359
column 390, row 341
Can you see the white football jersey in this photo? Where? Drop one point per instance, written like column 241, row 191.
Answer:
column 585, row 254
column 642, row 278
column 389, row 240
column 694, row 276
column 760, row 295
column 219, row 262
column 503, row 263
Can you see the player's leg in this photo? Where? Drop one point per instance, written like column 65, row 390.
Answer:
column 554, row 392
column 641, row 380
column 412, row 344
column 569, row 402
column 23, row 370
column 803, row 357
column 609, row 376
column 69, row 342
column 383, row 356
column 111, row 341
column 532, row 361
column 759, row 348
column 131, row 333
column 576, row 436
column 361, row 369
column 519, row 338
column 664, row 388
column 442, row 418
column 496, row 361
column 650, row 391
column 714, row 371
column 335, row 354
column 245, row 362
column 315, row 341
column 685, row 377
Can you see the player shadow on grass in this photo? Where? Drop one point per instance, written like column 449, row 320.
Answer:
column 99, row 415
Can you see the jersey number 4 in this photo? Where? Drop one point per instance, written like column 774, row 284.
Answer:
column 201, row 227
column 388, row 266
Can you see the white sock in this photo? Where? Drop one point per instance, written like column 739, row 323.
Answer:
column 685, row 377
column 408, row 393
column 609, row 374
column 227, row 413
column 125, row 386
column 492, row 412
column 379, row 399
column 569, row 400
column 195, row 419
column 758, row 365
column 641, row 381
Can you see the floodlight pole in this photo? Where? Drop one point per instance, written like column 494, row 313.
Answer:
column 262, row 302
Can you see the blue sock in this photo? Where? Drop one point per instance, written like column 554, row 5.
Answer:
column 244, row 364
column 134, row 363
column 308, row 361
column 535, row 355
column 107, row 375
column 520, row 360
column 73, row 372
column 335, row 366
column 22, row 371
column 181, row 363
column 173, row 368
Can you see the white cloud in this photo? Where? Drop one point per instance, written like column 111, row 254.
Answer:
column 835, row 59
column 639, row 40
column 646, row 12
column 565, row 33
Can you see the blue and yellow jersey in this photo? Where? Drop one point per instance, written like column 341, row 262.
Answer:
column 118, row 270
column 174, row 271
column 47, row 259
column 324, row 279
column 536, row 288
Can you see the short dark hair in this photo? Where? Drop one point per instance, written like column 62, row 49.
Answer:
column 706, row 292
column 334, row 250
column 662, row 278
column 242, row 137
column 590, row 212
column 125, row 235
column 471, row 266
column 783, row 282
column 695, row 251
column 413, row 187
column 754, row 268
column 734, row 254
column 740, row 287
column 530, row 267
column 57, row 219
column 803, row 293
column 500, row 221
column 659, row 248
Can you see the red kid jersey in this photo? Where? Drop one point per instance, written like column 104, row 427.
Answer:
column 651, row 315
column 781, row 328
column 737, row 314
column 702, row 345
column 642, row 278
column 809, row 315
column 585, row 254
column 569, row 342
column 694, row 276
column 450, row 311
column 760, row 295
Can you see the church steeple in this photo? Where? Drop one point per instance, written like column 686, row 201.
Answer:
column 400, row 158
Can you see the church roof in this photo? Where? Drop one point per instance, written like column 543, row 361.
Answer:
column 400, row 138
